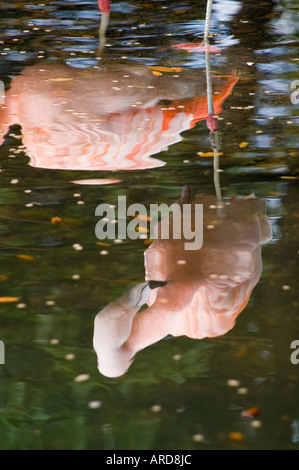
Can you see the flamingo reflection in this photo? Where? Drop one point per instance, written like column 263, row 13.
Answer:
column 197, row 293
column 112, row 118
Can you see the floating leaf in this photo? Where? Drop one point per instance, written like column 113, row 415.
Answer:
column 165, row 69
column 8, row 300
column 250, row 412
column 243, row 145
column 146, row 218
column 26, row 257
column 197, row 47
column 103, row 244
column 56, row 220
column 209, row 154
column 142, row 229
column 236, row 436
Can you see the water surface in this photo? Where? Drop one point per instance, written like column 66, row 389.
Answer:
column 75, row 115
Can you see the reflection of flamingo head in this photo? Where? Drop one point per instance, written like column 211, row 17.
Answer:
column 202, row 291
column 105, row 119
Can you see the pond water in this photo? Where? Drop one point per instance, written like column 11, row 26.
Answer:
column 87, row 117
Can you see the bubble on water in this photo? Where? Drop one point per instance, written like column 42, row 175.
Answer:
column 77, row 247
column 233, row 383
column 69, row 357
column 177, row 357
column 198, row 437
column 156, row 408
column 54, row 341
column 21, row 305
column 82, row 378
column 94, row 404
column 256, row 423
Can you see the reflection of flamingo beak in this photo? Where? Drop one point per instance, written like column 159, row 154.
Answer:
column 104, row 6
column 155, row 284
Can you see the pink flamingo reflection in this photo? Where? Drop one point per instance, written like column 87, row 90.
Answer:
column 196, row 293
column 105, row 119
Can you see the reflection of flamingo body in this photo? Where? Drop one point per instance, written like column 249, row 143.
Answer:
column 106, row 119
column 205, row 289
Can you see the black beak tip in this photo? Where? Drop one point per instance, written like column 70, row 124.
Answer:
column 155, row 284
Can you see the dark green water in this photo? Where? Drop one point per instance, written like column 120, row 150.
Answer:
column 72, row 114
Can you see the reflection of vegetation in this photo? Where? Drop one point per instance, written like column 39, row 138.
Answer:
column 42, row 406
column 163, row 363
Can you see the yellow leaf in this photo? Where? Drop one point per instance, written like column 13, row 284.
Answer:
column 142, row 229
column 103, row 244
column 146, row 218
column 56, row 220
column 7, row 300
column 165, row 69
column 26, row 257
column 236, row 436
column 209, row 154
column 243, row 145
